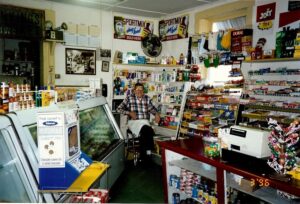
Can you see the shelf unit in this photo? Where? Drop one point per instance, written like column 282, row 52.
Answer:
column 189, row 154
column 255, row 115
column 161, row 83
column 272, row 79
column 20, row 61
column 205, row 113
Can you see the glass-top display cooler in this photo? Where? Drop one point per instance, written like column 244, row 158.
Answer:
column 100, row 138
column 18, row 183
column 25, row 126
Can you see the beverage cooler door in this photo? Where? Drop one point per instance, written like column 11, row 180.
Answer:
column 16, row 177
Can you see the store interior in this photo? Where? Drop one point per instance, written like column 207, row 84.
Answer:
column 223, row 76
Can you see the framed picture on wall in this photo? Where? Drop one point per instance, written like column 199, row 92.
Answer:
column 105, row 66
column 80, row 61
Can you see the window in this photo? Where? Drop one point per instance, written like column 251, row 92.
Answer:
column 236, row 11
column 235, row 23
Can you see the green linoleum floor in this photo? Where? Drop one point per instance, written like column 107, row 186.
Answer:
column 138, row 184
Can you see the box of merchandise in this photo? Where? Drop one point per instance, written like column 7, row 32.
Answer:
column 241, row 41
column 247, row 185
column 92, row 196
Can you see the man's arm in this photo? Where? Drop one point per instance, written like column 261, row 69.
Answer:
column 153, row 110
column 122, row 108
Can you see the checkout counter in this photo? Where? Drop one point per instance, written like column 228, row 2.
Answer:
column 189, row 154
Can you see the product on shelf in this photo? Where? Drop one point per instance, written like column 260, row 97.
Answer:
column 205, row 113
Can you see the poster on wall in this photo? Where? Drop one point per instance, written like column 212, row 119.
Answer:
column 174, row 28
column 131, row 29
column 290, row 18
column 80, row 61
column 105, row 54
column 265, row 16
column 51, row 140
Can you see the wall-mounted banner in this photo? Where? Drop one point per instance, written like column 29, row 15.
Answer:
column 130, row 29
column 265, row 16
column 174, row 28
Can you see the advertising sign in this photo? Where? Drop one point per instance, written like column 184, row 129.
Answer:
column 265, row 16
column 51, row 139
column 174, row 28
column 131, row 29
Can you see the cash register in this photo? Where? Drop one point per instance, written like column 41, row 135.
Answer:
column 247, row 147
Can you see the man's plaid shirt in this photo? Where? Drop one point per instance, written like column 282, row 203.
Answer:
column 142, row 107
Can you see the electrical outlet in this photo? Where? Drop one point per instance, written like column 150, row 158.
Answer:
column 57, row 76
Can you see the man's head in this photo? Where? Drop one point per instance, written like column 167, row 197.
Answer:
column 139, row 90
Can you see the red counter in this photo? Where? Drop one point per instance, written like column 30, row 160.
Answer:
column 193, row 148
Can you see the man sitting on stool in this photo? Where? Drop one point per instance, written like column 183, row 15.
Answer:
column 138, row 107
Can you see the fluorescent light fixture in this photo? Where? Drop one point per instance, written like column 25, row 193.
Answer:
column 103, row 2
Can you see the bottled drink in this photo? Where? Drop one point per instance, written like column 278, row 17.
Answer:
column 174, row 75
column 164, row 76
column 189, row 54
column 181, row 59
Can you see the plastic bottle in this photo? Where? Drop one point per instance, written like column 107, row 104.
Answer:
column 164, row 76
column 181, row 59
column 174, row 75
column 189, row 54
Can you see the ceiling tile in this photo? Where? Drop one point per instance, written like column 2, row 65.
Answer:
column 147, row 8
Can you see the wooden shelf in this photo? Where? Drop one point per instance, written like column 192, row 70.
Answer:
column 265, row 193
column 12, row 75
column 18, row 61
column 273, row 108
column 150, row 65
column 196, row 167
column 272, row 60
column 57, row 41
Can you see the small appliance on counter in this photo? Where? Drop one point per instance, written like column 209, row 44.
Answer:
column 249, row 141
column 247, row 148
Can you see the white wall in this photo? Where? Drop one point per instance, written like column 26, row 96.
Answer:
column 104, row 19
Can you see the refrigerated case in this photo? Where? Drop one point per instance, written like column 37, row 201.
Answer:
column 18, row 184
column 25, row 125
column 101, row 138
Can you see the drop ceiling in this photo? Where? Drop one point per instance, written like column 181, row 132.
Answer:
column 148, row 8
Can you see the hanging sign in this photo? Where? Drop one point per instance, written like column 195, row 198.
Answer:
column 130, row 29
column 51, row 139
column 174, row 28
column 290, row 18
column 265, row 15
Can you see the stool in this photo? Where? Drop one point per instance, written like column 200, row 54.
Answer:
column 132, row 145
